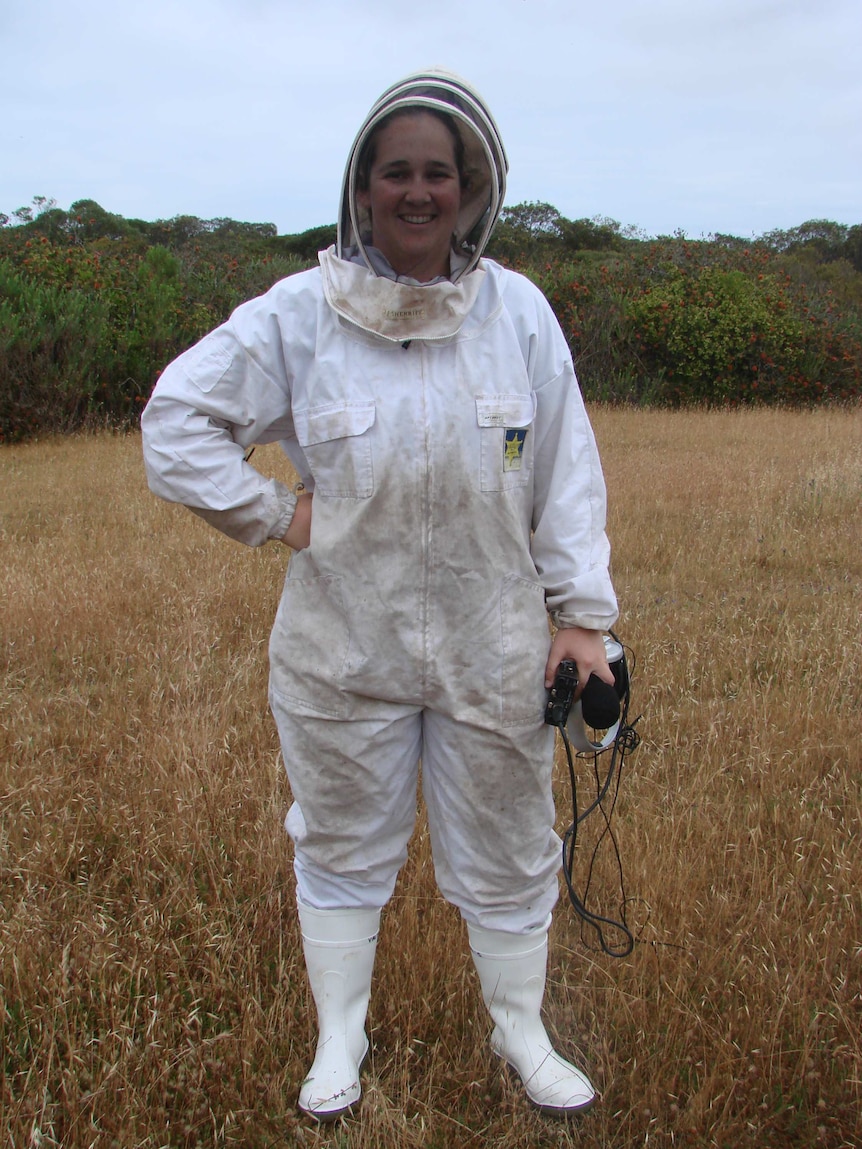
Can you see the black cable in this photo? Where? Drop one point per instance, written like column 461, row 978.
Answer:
column 596, row 921
column 625, row 742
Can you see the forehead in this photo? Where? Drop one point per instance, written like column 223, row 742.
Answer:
column 414, row 137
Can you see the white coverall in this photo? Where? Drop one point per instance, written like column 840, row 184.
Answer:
column 458, row 498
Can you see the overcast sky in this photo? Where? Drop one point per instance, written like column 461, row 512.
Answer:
column 734, row 116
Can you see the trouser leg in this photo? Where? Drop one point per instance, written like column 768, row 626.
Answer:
column 491, row 819
column 491, row 816
column 354, row 790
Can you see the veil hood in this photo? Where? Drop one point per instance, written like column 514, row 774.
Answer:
column 484, row 159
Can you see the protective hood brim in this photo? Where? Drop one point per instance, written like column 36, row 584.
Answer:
column 485, row 162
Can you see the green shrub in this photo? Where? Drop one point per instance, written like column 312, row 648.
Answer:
column 86, row 328
column 676, row 322
column 719, row 335
column 51, row 343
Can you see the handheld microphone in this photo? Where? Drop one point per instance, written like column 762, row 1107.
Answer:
column 598, row 707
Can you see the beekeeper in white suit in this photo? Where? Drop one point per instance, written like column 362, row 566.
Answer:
column 452, row 498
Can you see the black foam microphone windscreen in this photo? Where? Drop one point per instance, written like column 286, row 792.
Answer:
column 600, row 704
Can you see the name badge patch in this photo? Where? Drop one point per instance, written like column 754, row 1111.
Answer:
column 513, row 448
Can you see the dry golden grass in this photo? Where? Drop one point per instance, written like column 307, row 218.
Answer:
column 152, row 984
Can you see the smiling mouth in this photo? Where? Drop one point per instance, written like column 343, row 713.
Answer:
column 417, row 218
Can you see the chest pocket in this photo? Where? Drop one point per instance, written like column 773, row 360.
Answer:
column 337, row 445
column 506, row 440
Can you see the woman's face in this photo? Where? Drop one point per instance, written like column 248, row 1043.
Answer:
column 413, row 195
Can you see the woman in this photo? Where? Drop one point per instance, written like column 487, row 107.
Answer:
column 452, row 498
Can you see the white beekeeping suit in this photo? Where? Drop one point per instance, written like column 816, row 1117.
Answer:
column 458, row 500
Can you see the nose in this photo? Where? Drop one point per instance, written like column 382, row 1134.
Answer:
column 418, row 191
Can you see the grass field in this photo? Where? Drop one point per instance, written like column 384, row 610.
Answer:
column 153, row 991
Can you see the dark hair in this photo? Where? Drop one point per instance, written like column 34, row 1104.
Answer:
column 369, row 149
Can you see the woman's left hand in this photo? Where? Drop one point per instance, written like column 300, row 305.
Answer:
column 587, row 648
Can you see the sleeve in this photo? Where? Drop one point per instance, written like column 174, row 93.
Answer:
column 225, row 394
column 569, row 545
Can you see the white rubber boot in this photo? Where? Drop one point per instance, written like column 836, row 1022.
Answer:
column 339, row 947
column 512, row 972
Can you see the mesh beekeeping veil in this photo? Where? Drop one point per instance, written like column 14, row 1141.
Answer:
column 484, row 161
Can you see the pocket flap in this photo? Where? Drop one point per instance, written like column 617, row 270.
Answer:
column 506, row 410
column 206, row 364
column 333, row 421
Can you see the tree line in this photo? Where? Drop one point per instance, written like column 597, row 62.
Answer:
column 93, row 305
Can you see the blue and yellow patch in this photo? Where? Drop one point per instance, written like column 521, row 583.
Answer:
column 513, row 448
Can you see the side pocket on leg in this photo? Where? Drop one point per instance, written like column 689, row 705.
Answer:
column 309, row 644
column 526, row 642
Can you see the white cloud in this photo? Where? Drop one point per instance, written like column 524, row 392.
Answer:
column 726, row 115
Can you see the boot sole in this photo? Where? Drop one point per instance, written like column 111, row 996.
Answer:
column 325, row 1116
column 567, row 1111
column 330, row 1115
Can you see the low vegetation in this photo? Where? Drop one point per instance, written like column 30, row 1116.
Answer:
column 92, row 306
column 152, row 984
